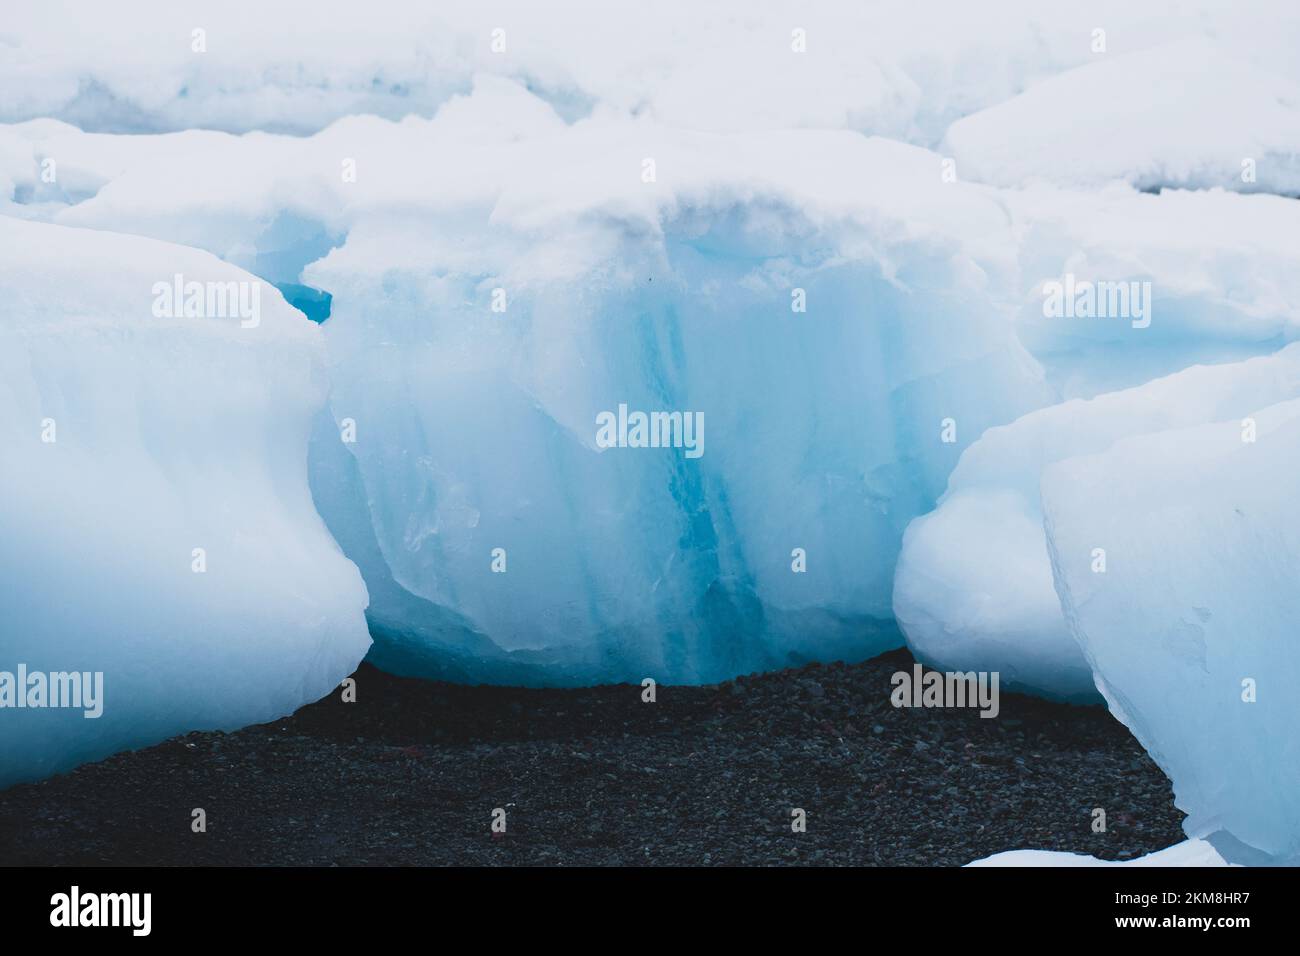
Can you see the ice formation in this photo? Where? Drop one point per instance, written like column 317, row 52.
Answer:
column 1190, row 623
column 157, row 525
column 671, row 295
column 1154, row 563
column 869, row 298
column 1209, row 277
column 974, row 587
column 838, row 261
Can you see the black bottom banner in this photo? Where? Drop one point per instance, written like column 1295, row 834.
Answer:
column 336, row 905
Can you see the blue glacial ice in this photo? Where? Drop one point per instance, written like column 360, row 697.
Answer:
column 476, row 430
column 676, row 294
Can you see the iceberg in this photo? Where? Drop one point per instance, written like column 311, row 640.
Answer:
column 475, row 377
column 1190, row 625
column 500, row 281
column 974, row 587
column 161, row 553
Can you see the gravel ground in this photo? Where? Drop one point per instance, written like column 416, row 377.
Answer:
column 411, row 773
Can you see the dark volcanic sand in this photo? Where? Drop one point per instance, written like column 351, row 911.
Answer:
column 410, row 774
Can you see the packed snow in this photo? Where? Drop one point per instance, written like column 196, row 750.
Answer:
column 1172, row 116
column 898, row 70
column 1195, row 853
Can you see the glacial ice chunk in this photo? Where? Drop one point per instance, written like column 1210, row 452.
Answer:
column 974, row 588
column 476, row 428
column 156, row 524
column 1191, row 629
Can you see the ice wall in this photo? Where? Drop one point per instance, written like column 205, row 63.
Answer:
column 824, row 429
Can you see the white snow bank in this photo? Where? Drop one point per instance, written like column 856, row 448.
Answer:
column 906, row 71
column 500, row 148
column 1183, row 114
column 131, row 440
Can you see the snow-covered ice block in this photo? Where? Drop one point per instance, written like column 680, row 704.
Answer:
column 156, row 524
column 673, row 287
column 974, row 588
column 1187, row 853
column 1185, row 114
column 1190, row 625
column 477, row 429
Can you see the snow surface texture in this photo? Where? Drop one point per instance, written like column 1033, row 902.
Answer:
column 1189, row 853
column 1170, row 116
column 129, row 441
column 899, row 70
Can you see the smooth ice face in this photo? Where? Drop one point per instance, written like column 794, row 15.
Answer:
column 823, row 430
column 974, row 587
column 973, row 591
column 155, row 517
column 1192, row 625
